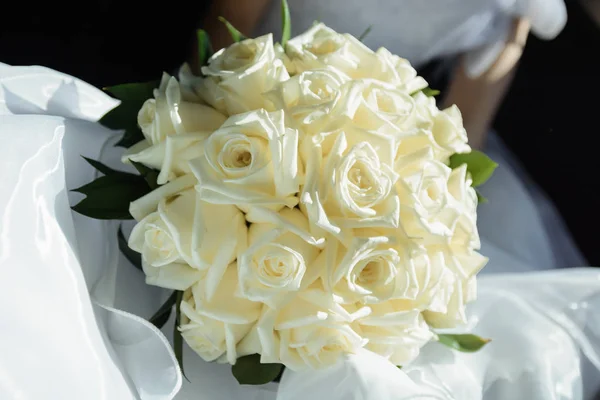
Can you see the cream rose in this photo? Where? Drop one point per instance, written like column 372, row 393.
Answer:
column 186, row 235
column 174, row 130
column 414, row 150
column 277, row 259
column 430, row 133
column 171, row 156
column 434, row 281
column 397, row 71
column 321, row 46
column 454, row 315
column 308, row 97
column 311, row 331
column 213, row 328
column 188, row 81
column 459, row 256
column 373, row 105
column 238, row 76
column 370, row 270
column 448, row 307
column 168, row 114
column 442, row 283
column 449, row 132
column 394, row 332
column 251, row 159
column 434, row 199
column 349, row 182
column 420, row 142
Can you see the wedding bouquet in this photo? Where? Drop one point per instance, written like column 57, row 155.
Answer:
column 302, row 199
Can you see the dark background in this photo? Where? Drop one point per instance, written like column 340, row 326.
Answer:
column 550, row 117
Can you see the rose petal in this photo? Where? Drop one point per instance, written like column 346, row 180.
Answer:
column 149, row 203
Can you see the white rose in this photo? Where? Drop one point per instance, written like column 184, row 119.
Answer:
column 394, row 331
column 311, row 331
column 321, row 46
column 370, row 270
column 434, row 281
column 449, row 132
column 213, row 328
column 446, row 283
column 174, row 130
column 171, row 156
column 397, row 71
column 430, row 209
column 238, row 76
column 280, row 54
column 188, row 81
column 458, row 254
column 349, row 182
column 435, row 134
column 251, row 159
column 168, row 114
column 309, row 96
column 414, row 150
column 460, row 188
column 277, row 259
column 148, row 203
column 465, row 291
column 186, row 235
column 373, row 105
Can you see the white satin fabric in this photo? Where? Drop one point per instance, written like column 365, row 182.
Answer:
column 545, row 330
column 72, row 309
column 422, row 30
column 63, row 334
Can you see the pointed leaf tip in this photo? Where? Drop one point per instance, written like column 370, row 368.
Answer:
column 286, row 23
column 236, row 35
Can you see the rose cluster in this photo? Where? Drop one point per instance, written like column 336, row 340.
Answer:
column 306, row 207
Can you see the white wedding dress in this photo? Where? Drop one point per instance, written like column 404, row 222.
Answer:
column 70, row 305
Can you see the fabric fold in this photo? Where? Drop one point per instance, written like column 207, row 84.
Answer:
column 63, row 258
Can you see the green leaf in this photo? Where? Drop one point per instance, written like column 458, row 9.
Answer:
column 161, row 316
column 150, row 175
column 205, row 50
column 479, row 165
column 466, row 342
column 365, row 33
column 130, row 137
column 429, row 92
column 108, row 197
column 99, row 166
column 236, row 35
column 177, row 338
column 480, row 198
column 136, row 93
column 286, row 23
column 131, row 255
column 248, row 370
column 124, row 116
column 280, row 375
